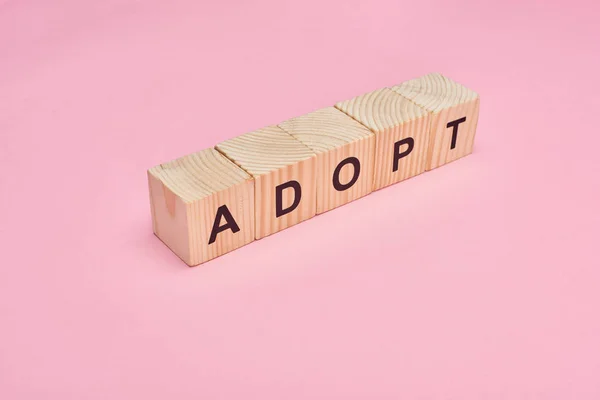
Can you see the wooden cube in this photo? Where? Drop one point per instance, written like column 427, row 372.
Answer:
column 202, row 205
column 345, row 155
column 454, row 113
column 285, row 177
column 401, row 133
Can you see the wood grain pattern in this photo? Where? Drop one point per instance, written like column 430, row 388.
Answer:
column 184, row 197
column 392, row 118
column 335, row 137
column 273, row 157
column 447, row 101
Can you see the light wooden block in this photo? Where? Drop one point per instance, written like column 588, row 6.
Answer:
column 454, row 113
column 345, row 155
column 202, row 205
column 401, row 131
column 285, row 176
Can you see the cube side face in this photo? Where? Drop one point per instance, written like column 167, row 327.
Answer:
column 221, row 222
column 285, row 197
column 345, row 174
column 169, row 218
column 401, row 152
column 453, row 133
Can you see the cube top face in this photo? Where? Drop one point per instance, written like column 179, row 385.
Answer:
column 381, row 109
column 325, row 129
column 199, row 175
column 265, row 150
column 435, row 92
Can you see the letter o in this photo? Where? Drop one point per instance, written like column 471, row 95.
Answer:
column 336, row 174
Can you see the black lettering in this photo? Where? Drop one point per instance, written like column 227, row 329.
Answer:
column 397, row 155
column 223, row 211
column 279, row 210
column 454, row 124
column 336, row 174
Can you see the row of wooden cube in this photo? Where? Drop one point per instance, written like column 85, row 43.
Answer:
column 214, row 201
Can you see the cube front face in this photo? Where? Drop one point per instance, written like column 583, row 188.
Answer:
column 345, row 174
column 285, row 177
column 453, row 133
column 285, row 197
column 202, row 206
column 402, row 152
column 401, row 130
column 454, row 112
column 221, row 222
column 345, row 155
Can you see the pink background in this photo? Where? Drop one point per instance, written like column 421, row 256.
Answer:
column 479, row 280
